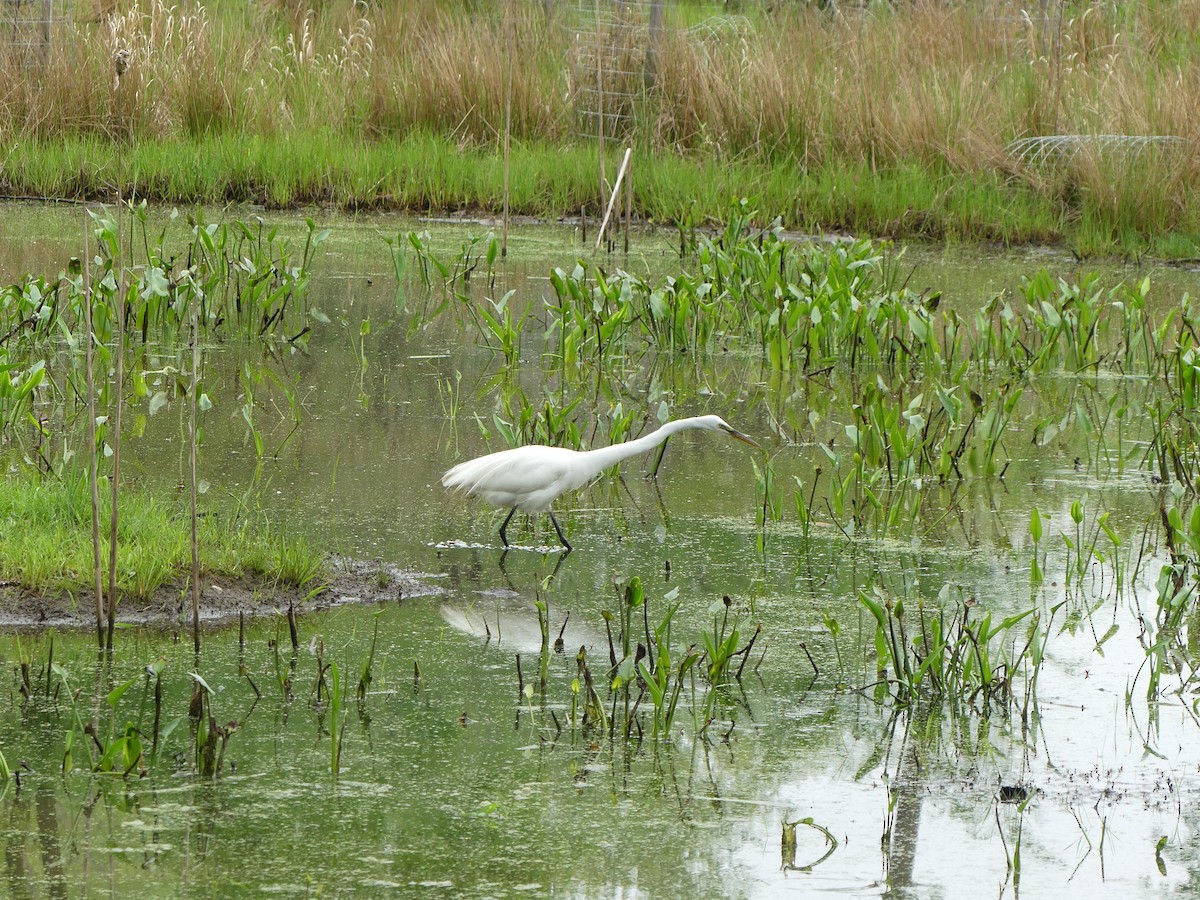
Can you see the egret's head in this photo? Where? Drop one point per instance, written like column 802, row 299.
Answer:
column 716, row 423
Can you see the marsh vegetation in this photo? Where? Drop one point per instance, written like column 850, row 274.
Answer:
column 956, row 602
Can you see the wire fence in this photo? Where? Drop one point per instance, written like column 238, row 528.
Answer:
column 27, row 27
column 610, row 56
column 613, row 45
column 1064, row 148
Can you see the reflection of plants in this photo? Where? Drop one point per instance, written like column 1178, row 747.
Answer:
column 337, row 721
column 788, row 844
column 256, row 378
column 449, row 395
column 360, row 354
column 771, row 508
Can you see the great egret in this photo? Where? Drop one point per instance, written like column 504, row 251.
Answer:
column 531, row 478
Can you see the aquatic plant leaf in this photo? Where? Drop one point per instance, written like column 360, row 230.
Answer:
column 199, row 679
column 115, row 695
column 154, row 283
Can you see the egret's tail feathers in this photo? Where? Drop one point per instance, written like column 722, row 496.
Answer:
column 469, row 477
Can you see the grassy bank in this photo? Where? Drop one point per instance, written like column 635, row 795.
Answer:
column 45, row 542
column 427, row 173
column 888, row 121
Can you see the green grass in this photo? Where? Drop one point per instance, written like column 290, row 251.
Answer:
column 45, row 541
column 423, row 172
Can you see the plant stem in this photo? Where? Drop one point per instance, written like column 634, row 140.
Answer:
column 116, row 437
column 192, row 481
column 92, row 476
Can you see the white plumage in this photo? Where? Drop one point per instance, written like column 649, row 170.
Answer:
column 532, row 478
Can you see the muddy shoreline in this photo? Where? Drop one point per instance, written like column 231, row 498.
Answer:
column 222, row 598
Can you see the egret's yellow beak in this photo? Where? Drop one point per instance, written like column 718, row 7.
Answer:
column 733, row 432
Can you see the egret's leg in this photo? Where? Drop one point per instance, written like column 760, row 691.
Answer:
column 508, row 519
column 559, row 530
column 662, row 448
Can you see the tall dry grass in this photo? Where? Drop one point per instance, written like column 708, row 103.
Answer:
column 932, row 84
column 445, row 73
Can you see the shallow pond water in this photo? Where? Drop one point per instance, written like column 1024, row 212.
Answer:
column 454, row 781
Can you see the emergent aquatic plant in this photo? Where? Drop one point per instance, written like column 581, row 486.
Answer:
column 955, row 657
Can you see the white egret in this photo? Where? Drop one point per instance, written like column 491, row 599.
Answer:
column 531, row 478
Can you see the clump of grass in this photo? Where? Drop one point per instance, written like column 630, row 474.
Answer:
column 46, row 546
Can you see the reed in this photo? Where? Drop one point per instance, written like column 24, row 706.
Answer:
column 193, row 452
column 93, row 478
column 120, row 301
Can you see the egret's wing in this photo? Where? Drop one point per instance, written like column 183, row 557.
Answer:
column 520, row 477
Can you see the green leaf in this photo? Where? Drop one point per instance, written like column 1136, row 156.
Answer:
column 116, row 694
column 635, row 596
column 1112, row 630
column 157, row 401
column 1108, row 530
column 154, row 284
column 875, row 607
column 200, row 681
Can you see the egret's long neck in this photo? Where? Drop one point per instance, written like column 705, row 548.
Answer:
column 604, row 457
